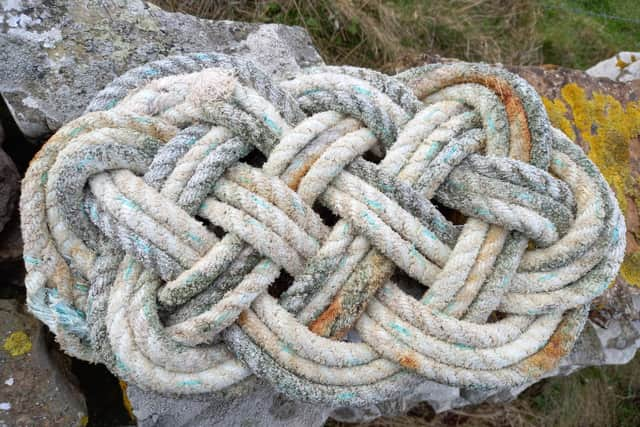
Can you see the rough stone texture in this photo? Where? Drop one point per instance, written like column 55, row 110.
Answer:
column 55, row 55
column 34, row 386
column 9, row 185
column 11, row 240
column 623, row 67
column 263, row 407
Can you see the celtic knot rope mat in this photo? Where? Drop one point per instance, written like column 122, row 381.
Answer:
column 202, row 228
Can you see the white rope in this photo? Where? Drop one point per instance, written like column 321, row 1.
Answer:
column 153, row 241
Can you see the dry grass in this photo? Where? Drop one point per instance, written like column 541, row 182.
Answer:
column 387, row 35
column 593, row 397
column 391, row 34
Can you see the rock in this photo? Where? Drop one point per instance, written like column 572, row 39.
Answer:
column 262, row 407
column 11, row 241
column 10, row 237
column 35, row 387
column 55, row 55
column 623, row 67
column 9, row 185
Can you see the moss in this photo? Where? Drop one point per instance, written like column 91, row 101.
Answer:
column 607, row 129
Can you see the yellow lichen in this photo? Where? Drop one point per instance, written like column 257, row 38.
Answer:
column 84, row 421
column 17, row 344
column 630, row 269
column 557, row 111
column 621, row 64
column 608, row 128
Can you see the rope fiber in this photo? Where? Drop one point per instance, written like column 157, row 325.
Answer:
column 154, row 237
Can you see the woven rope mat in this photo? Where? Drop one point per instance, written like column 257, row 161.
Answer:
column 201, row 228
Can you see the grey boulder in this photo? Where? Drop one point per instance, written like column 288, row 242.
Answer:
column 262, row 407
column 36, row 388
column 55, row 55
column 623, row 67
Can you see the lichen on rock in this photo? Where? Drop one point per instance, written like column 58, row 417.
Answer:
column 57, row 54
column 609, row 131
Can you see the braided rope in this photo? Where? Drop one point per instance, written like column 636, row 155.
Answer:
column 119, row 210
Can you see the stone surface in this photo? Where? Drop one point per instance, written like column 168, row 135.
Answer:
column 55, row 55
column 623, row 67
column 35, row 389
column 262, row 407
column 11, row 240
column 9, row 184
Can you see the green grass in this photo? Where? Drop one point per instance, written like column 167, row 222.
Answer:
column 393, row 34
column 593, row 397
column 580, row 33
column 598, row 396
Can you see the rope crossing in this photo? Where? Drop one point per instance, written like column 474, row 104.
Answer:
column 154, row 236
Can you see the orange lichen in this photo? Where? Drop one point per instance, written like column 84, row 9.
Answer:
column 557, row 111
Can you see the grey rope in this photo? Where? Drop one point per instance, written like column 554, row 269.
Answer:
column 153, row 240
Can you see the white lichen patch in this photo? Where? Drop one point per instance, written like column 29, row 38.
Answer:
column 48, row 39
column 11, row 5
column 30, row 102
column 22, row 21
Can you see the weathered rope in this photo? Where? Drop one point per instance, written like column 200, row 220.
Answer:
column 153, row 235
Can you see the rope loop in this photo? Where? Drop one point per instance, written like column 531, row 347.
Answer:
column 202, row 226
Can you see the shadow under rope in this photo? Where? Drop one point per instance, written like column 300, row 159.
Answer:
column 103, row 394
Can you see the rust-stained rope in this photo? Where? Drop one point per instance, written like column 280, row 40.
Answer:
column 119, row 210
